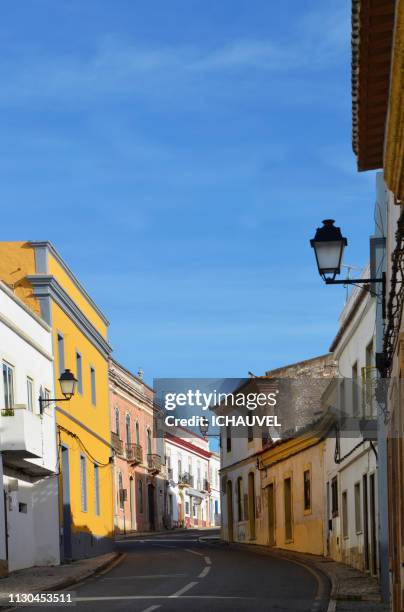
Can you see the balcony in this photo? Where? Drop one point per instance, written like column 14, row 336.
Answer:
column 134, row 453
column 21, row 440
column 185, row 480
column 153, row 463
column 205, row 485
column 117, row 443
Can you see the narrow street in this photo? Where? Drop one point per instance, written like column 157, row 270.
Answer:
column 177, row 571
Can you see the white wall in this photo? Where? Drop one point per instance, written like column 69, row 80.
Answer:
column 351, row 348
column 26, row 344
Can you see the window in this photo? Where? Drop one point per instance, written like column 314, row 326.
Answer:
column 149, row 443
column 121, row 497
column 307, row 489
column 30, row 394
column 198, row 476
column 345, row 514
column 358, row 508
column 79, row 373
column 137, row 433
column 355, row 390
column 93, row 388
column 83, row 483
column 240, row 498
column 117, row 428
column 140, row 495
column 8, row 385
column 97, row 489
column 190, row 467
column 179, row 468
column 228, row 439
column 265, row 438
column 61, row 353
column 127, row 429
column 287, row 492
column 22, row 508
column 170, row 505
column 250, row 433
column 334, row 497
column 187, row 507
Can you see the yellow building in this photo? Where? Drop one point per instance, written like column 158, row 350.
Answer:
column 293, row 496
column 38, row 275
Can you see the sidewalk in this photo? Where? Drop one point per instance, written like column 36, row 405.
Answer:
column 351, row 589
column 53, row 578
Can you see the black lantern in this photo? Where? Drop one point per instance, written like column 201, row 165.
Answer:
column 68, row 384
column 204, row 426
column 328, row 245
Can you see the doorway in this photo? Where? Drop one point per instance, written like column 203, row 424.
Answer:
column 66, row 513
column 271, row 514
column 251, row 504
column 150, row 499
column 132, row 503
column 365, row 522
column 373, row 537
column 229, row 491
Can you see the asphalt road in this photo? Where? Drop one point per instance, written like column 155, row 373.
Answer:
column 178, row 572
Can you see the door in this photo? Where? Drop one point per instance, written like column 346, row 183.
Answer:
column 365, row 522
column 251, row 504
column 150, row 499
column 132, row 503
column 66, row 512
column 230, row 510
column 373, row 537
column 271, row 514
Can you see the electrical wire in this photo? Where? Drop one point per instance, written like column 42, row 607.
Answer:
column 83, row 447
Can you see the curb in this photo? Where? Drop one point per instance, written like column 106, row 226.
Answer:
column 63, row 584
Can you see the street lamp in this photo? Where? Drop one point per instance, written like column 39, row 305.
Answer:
column 67, row 383
column 328, row 244
column 204, row 426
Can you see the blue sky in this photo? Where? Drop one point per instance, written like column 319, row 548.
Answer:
column 180, row 156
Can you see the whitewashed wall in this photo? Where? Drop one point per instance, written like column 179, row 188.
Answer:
column 26, row 344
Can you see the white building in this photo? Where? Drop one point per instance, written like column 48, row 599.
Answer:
column 29, row 528
column 187, row 461
column 214, row 490
column 351, row 458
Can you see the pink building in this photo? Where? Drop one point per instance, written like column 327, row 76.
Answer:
column 139, row 489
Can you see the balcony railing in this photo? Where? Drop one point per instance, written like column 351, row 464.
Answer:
column 185, row 480
column 134, row 453
column 205, row 485
column 117, row 443
column 153, row 463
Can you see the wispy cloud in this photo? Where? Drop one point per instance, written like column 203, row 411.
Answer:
column 118, row 69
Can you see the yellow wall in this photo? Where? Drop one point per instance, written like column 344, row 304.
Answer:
column 96, row 418
column 308, row 526
column 17, row 259
column 75, row 294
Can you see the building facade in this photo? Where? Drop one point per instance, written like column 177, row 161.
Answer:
column 378, row 143
column 43, row 281
column 29, row 522
column 187, row 459
column 138, row 484
column 351, row 455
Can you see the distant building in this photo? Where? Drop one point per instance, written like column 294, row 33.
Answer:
column 214, row 490
column 244, row 480
column 189, row 491
column 29, row 525
column 138, row 486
